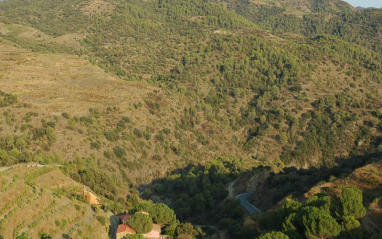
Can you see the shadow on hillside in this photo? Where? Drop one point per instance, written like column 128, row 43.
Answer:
column 194, row 189
column 297, row 182
column 197, row 193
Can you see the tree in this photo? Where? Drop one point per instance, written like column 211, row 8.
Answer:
column 318, row 223
column 273, row 235
column 275, row 91
column 145, row 207
column 290, row 222
column 133, row 199
column 10, row 141
column 291, row 206
column 50, row 134
column 188, row 229
column 320, row 201
column 351, row 203
column 20, row 144
column 141, row 223
column 163, row 214
column 171, row 228
column 351, row 228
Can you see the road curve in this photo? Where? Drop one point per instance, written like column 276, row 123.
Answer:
column 243, row 199
column 246, row 205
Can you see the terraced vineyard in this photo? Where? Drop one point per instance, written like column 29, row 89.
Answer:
column 38, row 200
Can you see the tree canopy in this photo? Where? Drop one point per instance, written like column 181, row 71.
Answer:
column 141, row 223
column 352, row 203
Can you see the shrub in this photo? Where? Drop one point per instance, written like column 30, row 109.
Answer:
column 101, row 219
column 65, row 115
column 119, row 151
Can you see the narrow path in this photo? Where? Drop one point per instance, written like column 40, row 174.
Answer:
column 243, row 199
column 3, row 169
column 230, row 189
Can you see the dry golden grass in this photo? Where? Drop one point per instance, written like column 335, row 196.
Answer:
column 25, row 32
column 63, row 83
column 52, row 84
column 295, row 7
column 41, row 210
column 97, row 7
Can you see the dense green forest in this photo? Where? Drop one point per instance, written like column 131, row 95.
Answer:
column 234, row 85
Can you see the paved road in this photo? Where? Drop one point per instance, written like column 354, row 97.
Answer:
column 243, row 199
column 246, row 205
column 114, row 222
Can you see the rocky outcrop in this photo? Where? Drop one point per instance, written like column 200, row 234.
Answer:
column 259, row 176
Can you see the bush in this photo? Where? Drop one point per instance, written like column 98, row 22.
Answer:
column 101, row 219
column 65, row 115
column 7, row 99
column 137, row 132
column 119, row 151
column 112, row 135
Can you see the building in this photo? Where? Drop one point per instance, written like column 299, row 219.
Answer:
column 90, row 197
column 155, row 232
column 125, row 218
column 123, row 230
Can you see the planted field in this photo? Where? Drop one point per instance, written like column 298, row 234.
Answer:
column 42, row 200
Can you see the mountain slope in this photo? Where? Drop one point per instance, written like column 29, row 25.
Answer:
column 41, row 200
column 128, row 93
column 223, row 81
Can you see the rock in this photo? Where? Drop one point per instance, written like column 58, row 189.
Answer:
column 259, row 176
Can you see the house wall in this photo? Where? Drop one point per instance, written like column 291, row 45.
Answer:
column 153, row 234
column 90, row 197
column 121, row 234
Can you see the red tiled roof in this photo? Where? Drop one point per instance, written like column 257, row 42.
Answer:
column 125, row 217
column 125, row 228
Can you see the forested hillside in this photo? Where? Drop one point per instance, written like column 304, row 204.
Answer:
column 162, row 95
